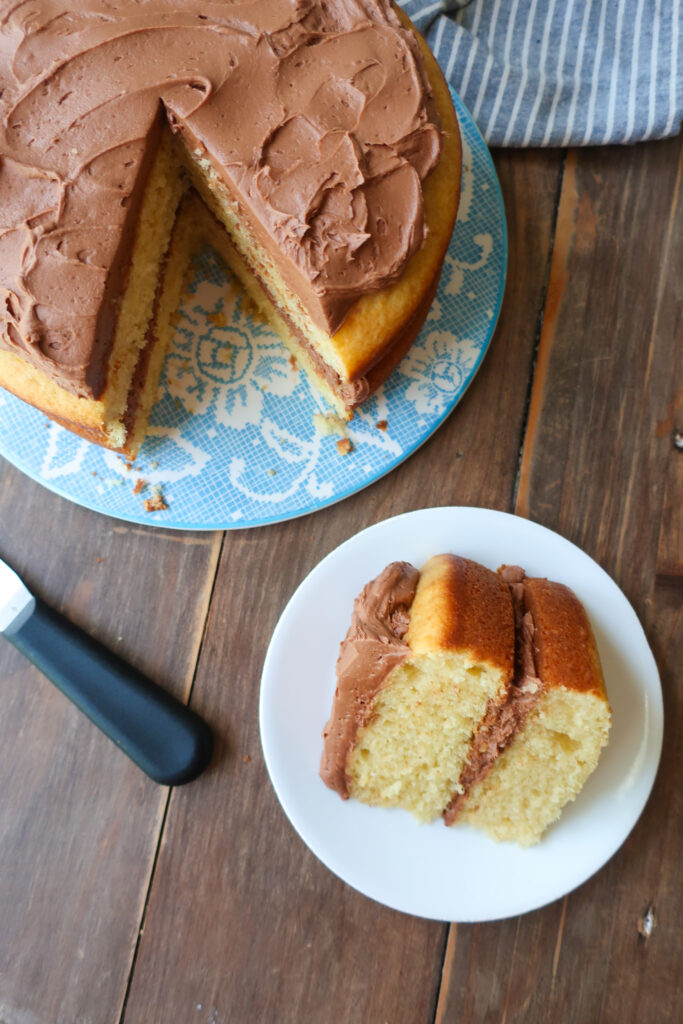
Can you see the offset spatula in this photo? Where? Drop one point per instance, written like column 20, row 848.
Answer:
column 167, row 740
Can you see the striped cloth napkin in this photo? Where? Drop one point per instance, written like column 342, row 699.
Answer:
column 560, row 72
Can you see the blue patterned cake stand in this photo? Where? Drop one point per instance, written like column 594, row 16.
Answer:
column 232, row 441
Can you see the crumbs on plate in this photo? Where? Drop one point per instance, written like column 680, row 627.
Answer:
column 328, row 423
column 156, row 503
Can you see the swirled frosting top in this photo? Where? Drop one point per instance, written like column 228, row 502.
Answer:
column 317, row 114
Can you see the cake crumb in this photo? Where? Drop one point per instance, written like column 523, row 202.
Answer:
column 328, row 423
column 344, row 447
column 271, row 472
column 250, row 308
column 381, row 424
column 293, row 363
column 156, row 503
column 246, row 759
column 219, row 319
column 140, row 485
column 100, row 559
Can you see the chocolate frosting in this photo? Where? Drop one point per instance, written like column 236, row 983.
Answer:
column 503, row 720
column 318, row 115
column 372, row 649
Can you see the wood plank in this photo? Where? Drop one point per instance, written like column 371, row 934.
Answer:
column 243, row 923
column 79, row 823
column 600, row 466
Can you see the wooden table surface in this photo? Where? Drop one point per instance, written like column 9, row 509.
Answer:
column 123, row 901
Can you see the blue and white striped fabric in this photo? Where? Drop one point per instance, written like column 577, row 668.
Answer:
column 560, row 72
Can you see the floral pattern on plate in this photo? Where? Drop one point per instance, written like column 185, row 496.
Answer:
column 233, row 440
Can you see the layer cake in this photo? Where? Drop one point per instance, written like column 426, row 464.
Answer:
column 321, row 135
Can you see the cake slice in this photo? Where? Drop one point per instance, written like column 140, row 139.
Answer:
column 466, row 693
column 425, row 656
column 534, row 754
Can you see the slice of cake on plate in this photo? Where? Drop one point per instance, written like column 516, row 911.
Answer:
column 469, row 694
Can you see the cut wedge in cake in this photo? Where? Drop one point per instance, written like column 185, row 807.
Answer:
column 321, row 136
column 424, row 657
column 537, row 751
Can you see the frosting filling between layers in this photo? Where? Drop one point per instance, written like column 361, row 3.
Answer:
column 373, row 647
column 503, row 721
column 319, row 116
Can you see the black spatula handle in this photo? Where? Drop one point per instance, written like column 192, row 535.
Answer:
column 166, row 739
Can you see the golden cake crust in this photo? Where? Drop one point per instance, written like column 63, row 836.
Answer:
column 376, row 321
column 564, row 646
column 461, row 605
column 547, row 761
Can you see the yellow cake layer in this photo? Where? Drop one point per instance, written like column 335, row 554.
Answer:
column 544, row 768
column 412, row 752
column 413, row 748
column 102, row 420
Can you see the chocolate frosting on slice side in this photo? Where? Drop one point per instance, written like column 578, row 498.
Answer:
column 373, row 647
column 504, row 720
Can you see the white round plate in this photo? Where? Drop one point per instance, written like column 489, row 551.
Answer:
column 454, row 874
column 232, row 440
